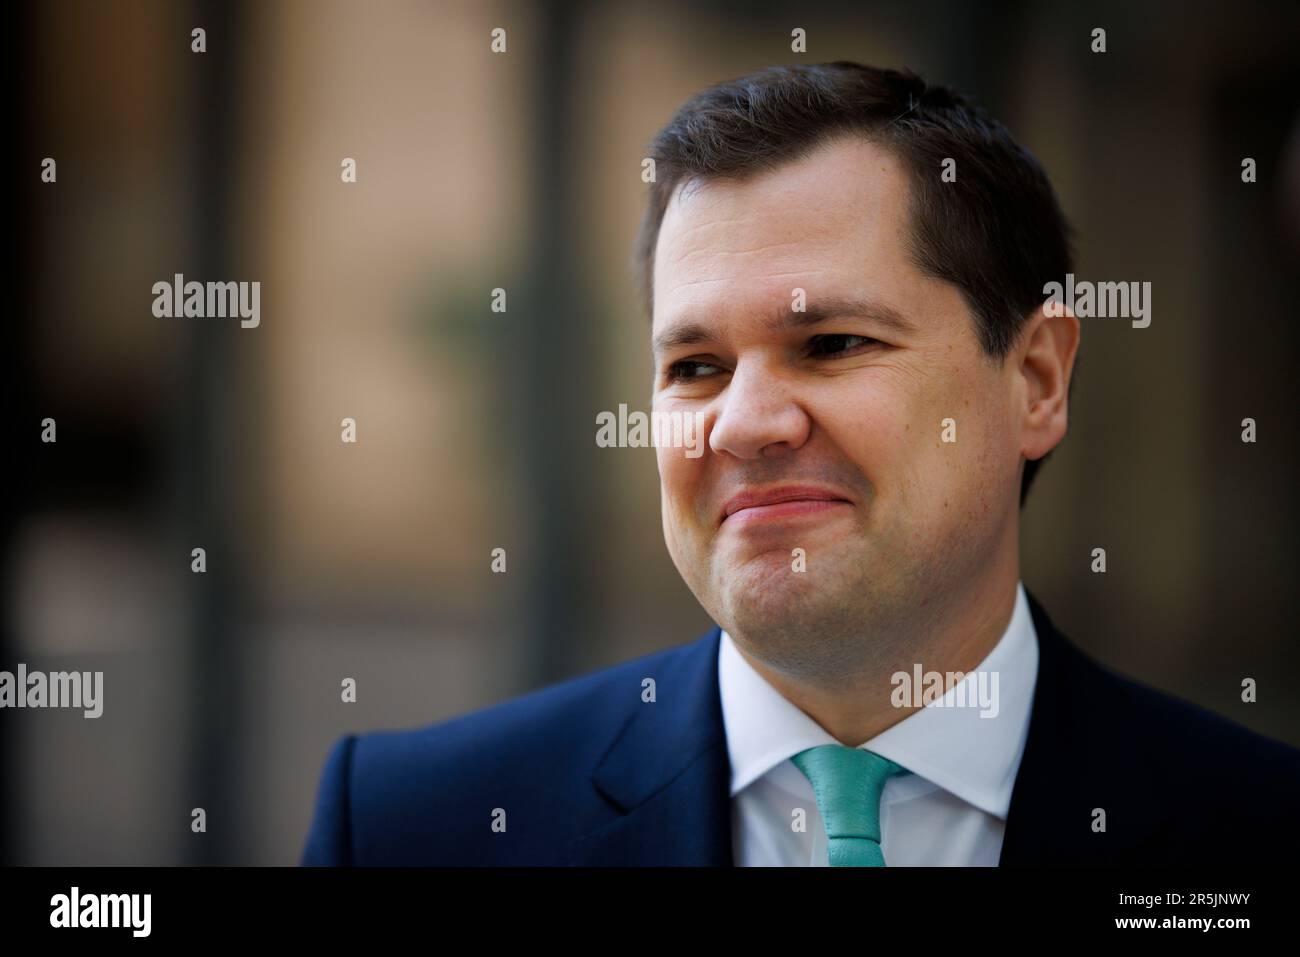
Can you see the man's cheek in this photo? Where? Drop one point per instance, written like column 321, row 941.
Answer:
column 895, row 451
column 912, row 464
column 663, row 464
column 959, row 464
column 674, row 478
column 677, row 503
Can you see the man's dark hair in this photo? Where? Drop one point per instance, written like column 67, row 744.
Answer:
column 997, row 233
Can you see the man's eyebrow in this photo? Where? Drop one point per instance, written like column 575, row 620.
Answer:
column 786, row 318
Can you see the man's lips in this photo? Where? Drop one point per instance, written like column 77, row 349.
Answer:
column 785, row 501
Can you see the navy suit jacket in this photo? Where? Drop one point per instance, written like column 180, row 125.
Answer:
column 589, row 774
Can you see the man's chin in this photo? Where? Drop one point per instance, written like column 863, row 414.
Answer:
column 774, row 589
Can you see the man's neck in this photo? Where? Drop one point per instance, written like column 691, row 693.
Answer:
column 857, row 712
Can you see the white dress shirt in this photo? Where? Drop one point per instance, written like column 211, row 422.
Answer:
column 952, row 808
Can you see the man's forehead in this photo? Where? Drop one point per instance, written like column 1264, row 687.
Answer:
column 818, row 223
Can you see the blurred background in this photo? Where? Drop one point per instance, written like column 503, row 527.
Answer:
column 475, row 429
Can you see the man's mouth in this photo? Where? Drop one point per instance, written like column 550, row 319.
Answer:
column 780, row 502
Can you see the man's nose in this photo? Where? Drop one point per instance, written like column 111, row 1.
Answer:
column 758, row 415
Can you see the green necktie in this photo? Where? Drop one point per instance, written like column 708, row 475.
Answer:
column 848, row 783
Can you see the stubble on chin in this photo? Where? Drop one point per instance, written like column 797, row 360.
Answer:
column 816, row 626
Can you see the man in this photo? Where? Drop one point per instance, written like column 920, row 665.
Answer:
column 844, row 269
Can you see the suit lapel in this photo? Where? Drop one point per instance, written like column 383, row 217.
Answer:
column 1072, row 765
column 668, row 773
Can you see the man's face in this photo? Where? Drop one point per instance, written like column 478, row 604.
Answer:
column 828, row 422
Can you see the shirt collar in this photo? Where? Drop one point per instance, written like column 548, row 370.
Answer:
column 976, row 758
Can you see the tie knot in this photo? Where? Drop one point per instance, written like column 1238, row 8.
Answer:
column 847, row 783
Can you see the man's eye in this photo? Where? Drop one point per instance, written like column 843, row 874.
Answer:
column 832, row 343
column 689, row 369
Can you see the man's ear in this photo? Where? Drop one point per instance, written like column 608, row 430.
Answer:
column 1045, row 355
